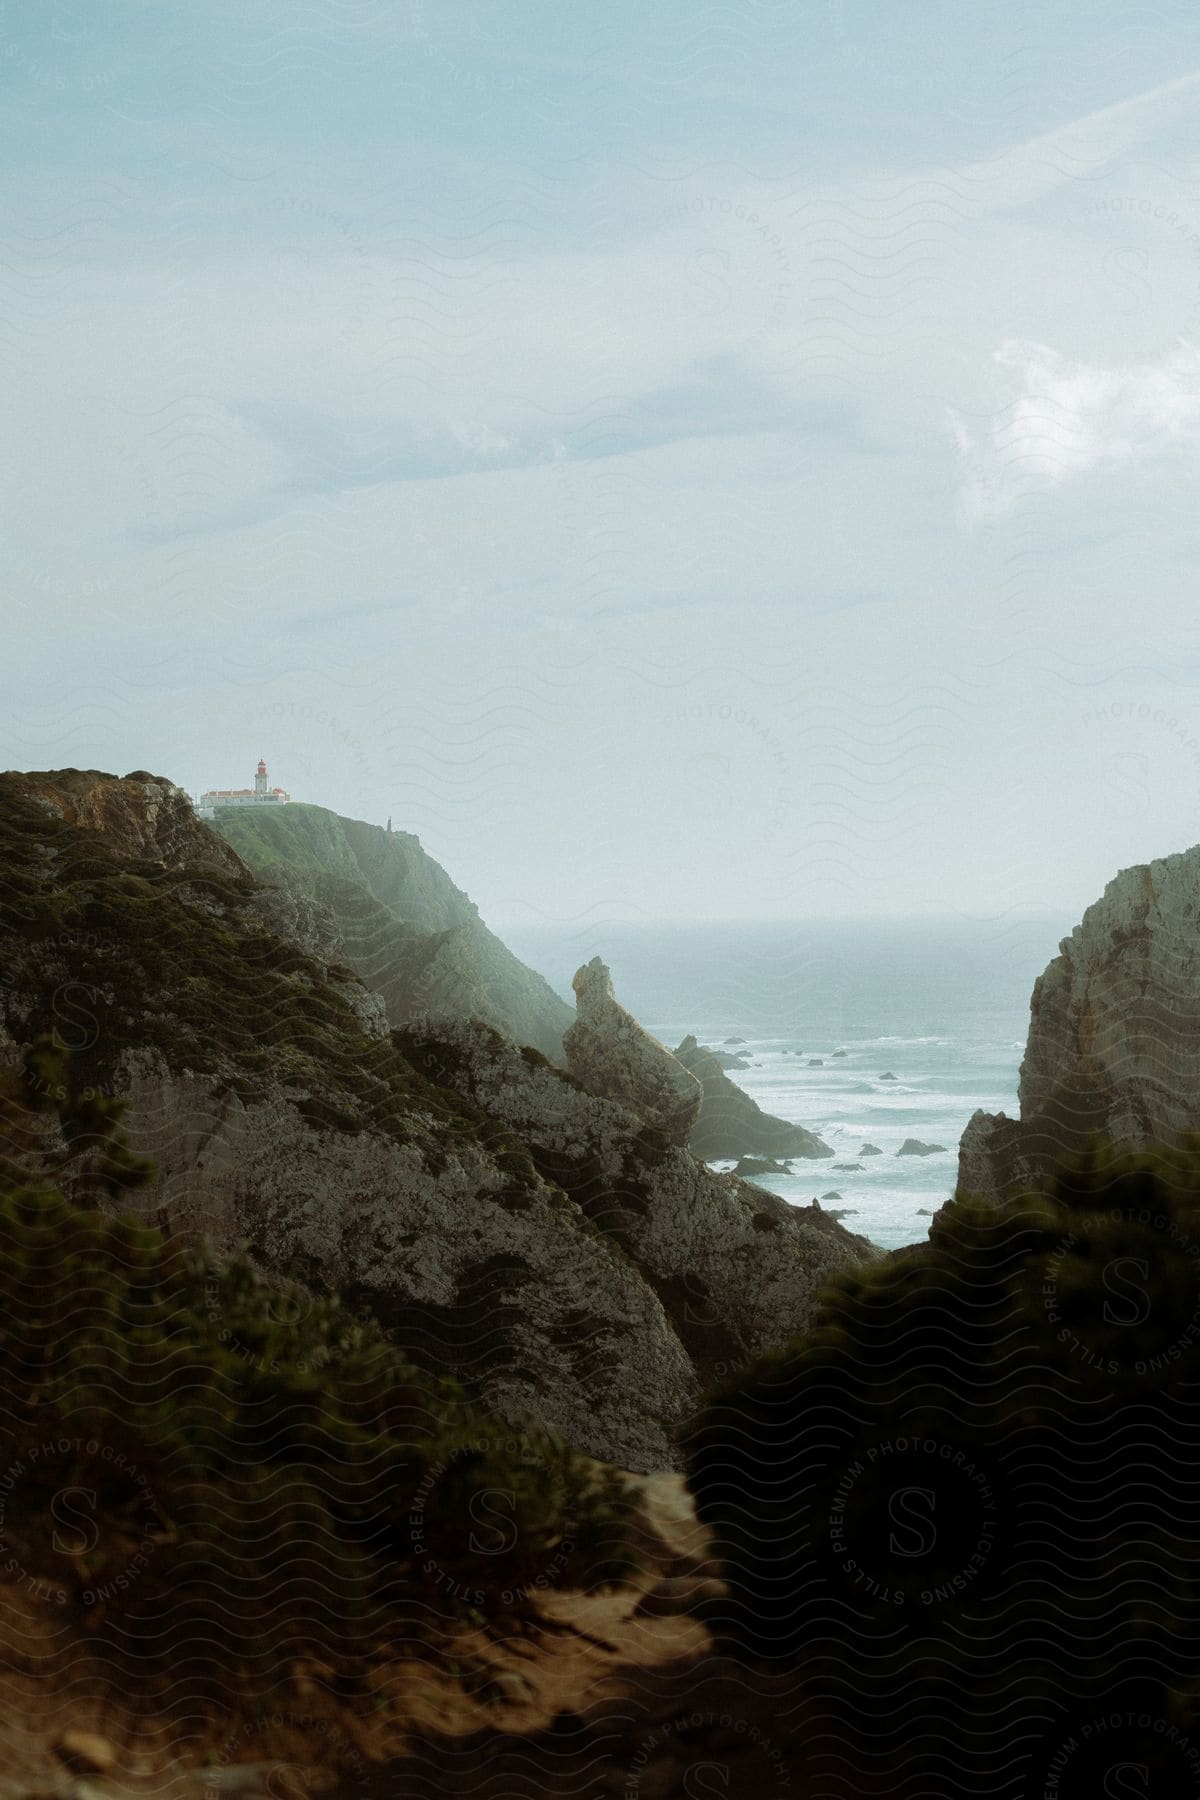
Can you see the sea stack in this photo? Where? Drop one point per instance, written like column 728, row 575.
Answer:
column 613, row 1056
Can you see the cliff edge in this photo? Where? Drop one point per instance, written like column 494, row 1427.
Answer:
column 1114, row 1035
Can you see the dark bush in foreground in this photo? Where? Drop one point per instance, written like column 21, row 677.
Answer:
column 221, row 1474
column 968, row 1501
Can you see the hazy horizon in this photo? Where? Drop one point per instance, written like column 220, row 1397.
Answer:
column 700, row 465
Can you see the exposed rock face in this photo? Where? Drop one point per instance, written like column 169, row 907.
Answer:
column 731, row 1123
column 401, row 923
column 477, row 1267
column 555, row 1251
column 612, row 1056
column 1114, row 1035
column 736, row 1269
column 145, row 818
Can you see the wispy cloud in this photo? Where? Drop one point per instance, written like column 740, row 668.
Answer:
column 1067, row 418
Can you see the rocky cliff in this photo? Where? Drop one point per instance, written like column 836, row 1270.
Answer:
column 412, row 935
column 1114, row 1035
column 731, row 1123
column 611, row 1055
column 556, row 1250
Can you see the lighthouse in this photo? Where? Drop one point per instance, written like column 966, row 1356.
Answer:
column 259, row 795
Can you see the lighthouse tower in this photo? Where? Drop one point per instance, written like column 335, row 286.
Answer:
column 217, row 798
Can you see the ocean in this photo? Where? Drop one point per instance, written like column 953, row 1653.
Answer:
column 940, row 1004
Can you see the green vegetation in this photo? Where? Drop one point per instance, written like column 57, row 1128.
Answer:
column 973, row 1483
column 109, row 954
column 218, row 1474
column 411, row 935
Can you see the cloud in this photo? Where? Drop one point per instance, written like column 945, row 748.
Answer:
column 1068, row 418
column 1026, row 171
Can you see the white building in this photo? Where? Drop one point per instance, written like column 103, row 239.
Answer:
column 259, row 795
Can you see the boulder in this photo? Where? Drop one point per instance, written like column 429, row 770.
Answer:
column 870, row 1150
column 914, row 1147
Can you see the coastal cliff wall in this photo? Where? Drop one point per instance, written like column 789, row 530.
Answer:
column 553, row 1248
column 1114, row 1035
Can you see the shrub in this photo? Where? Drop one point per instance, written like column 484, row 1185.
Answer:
column 967, row 1499
column 220, row 1473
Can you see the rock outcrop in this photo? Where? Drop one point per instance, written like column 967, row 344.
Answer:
column 144, row 818
column 1114, row 1035
column 556, row 1251
column 736, row 1268
column 731, row 1123
column 612, row 1056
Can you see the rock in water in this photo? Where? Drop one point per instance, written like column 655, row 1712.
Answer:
column 731, row 1123
column 914, row 1147
column 1114, row 1035
column 751, row 1166
column 612, row 1056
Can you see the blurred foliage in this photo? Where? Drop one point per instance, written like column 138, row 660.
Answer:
column 972, row 1484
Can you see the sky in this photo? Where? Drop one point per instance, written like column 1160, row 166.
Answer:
column 681, row 461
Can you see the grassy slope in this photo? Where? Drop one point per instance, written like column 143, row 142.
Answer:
column 115, row 954
column 410, row 933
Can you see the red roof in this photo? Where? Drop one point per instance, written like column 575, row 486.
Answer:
column 238, row 793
